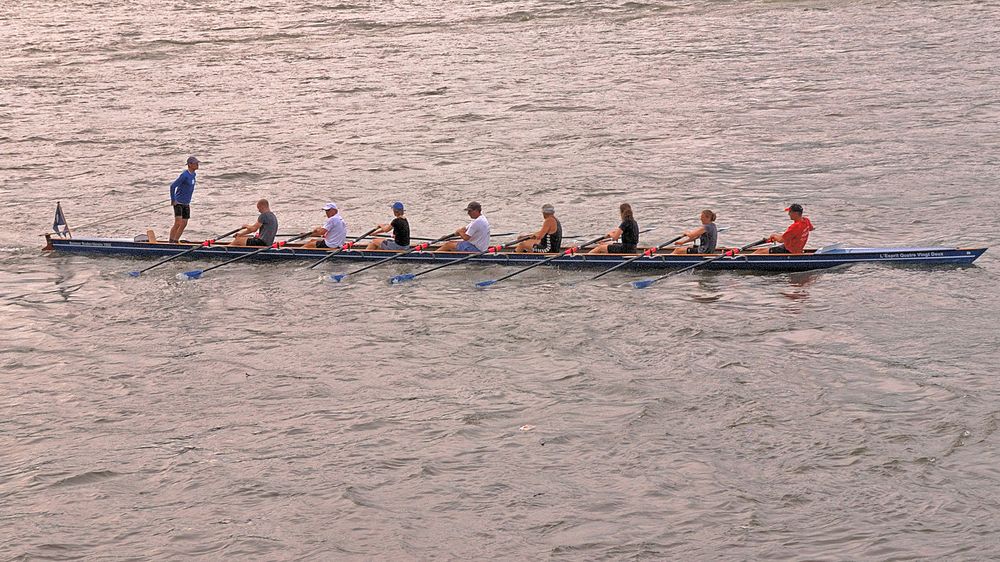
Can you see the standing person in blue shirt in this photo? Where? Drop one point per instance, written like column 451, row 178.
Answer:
column 180, row 197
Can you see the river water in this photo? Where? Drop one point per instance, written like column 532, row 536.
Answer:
column 261, row 413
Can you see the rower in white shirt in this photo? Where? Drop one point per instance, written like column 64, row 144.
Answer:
column 475, row 237
column 333, row 231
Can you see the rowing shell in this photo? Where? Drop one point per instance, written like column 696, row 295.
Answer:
column 811, row 259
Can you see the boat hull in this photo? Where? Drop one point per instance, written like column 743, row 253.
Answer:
column 931, row 256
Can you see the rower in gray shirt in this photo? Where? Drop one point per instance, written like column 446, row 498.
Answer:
column 266, row 228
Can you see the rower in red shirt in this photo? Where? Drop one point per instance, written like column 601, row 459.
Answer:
column 793, row 241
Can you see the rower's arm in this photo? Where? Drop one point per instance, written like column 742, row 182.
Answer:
column 691, row 235
column 615, row 234
column 248, row 228
column 547, row 228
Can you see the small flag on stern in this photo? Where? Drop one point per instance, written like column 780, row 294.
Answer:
column 59, row 225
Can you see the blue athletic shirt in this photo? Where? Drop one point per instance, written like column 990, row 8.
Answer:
column 183, row 188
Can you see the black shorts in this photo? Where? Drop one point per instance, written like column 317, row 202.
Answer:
column 256, row 241
column 779, row 249
column 321, row 244
column 697, row 250
column 619, row 248
column 182, row 211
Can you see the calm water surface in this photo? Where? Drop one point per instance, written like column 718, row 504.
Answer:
column 262, row 413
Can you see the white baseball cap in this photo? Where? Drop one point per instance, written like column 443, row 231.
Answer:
column 329, row 206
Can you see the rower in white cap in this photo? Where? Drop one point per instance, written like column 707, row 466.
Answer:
column 333, row 231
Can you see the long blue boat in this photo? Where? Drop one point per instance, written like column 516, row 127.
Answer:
column 822, row 258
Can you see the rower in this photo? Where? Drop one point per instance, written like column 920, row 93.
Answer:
column 333, row 231
column 265, row 227
column 475, row 237
column 794, row 239
column 627, row 231
column 400, row 228
column 705, row 237
column 548, row 239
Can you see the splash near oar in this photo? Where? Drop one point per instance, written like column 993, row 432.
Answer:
column 204, row 244
column 566, row 252
column 345, row 247
column 338, row 277
column 643, row 283
column 197, row 273
column 491, row 250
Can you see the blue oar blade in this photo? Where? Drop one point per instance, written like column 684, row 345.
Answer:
column 643, row 283
column 134, row 273
column 485, row 283
column 193, row 274
column 338, row 277
column 401, row 278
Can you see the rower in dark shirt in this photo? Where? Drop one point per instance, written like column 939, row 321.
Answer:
column 627, row 232
column 548, row 239
column 400, row 228
column 265, row 228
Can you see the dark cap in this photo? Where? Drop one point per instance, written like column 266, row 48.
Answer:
column 794, row 207
column 193, row 160
column 474, row 206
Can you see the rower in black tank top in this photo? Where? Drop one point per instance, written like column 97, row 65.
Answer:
column 551, row 242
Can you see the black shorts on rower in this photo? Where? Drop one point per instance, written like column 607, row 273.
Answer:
column 182, row 211
column 779, row 249
column 256, row 241
column 619, row 248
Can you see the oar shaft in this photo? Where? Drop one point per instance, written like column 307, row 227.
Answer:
column 337, row 251
column 189, row 250
column 567, row 252
column 255, row 252
column 630, row 260
column 491, row 249
column 397, row 256
column 708, row 261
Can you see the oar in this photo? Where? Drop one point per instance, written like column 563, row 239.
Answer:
column 204, row 244
column 647, row 252
column 419, row 239
column 566, row 252
column 346, row 246
column 197, row 273
column 643, row 283
column 338, row 277
column 490, row 250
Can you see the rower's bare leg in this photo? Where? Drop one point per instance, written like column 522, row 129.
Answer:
column 448, row 246
column 763, row 251
column 311, row 243
column 178, row 228
column 680, row 250
column 239, row 240
column 601, row 249
column 375, row 244
column 526, row 246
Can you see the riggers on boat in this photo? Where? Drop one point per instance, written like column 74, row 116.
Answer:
column 822, row 258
